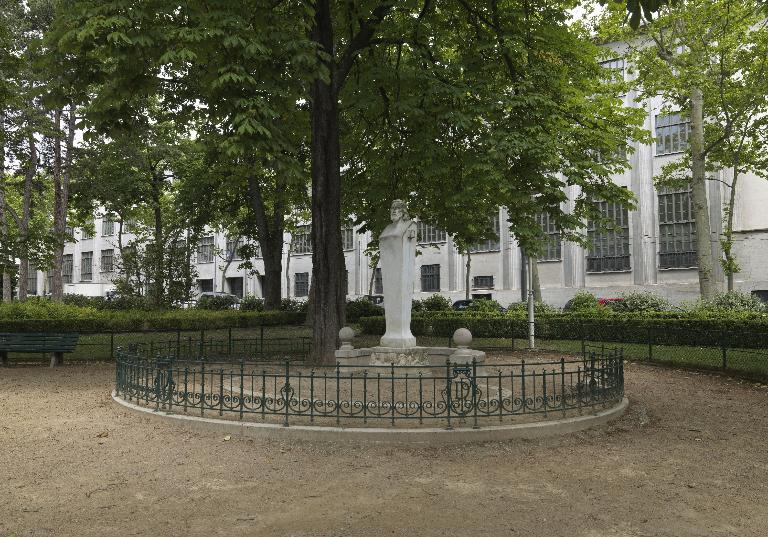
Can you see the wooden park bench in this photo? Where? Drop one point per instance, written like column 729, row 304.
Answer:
column 57, row 344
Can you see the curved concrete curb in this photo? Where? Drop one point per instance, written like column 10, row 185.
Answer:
column 425, row 435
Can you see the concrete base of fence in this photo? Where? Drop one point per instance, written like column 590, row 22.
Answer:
column 387, row 435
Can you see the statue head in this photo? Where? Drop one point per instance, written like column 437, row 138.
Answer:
column 398, row 211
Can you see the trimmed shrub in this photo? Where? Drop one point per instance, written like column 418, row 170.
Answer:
column 417, row 306
column 437, row 303
column 362, row 307
column 735, row 330
column 484, row 305
column 581, row 301
column 639, row 301
column 290, row 304
column 733, row 301
column 32, row 316
column 216, row 302
column 252, row 303
column 539, row 308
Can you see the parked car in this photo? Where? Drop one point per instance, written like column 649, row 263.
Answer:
column 461, row 305
column 375, row 299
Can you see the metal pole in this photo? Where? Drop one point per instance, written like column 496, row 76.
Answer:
column 531, row 323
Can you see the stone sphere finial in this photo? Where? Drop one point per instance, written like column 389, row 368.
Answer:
column 346, row 335
column 462, row 338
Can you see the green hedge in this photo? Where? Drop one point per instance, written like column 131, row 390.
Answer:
column 109, row 321
column 736, row 330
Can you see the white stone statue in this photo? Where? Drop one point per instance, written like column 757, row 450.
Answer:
column 397, row 244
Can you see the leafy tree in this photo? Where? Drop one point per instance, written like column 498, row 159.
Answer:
column 693, row 54
column 466, row 105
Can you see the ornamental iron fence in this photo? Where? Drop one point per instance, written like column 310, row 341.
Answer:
column 454, row 394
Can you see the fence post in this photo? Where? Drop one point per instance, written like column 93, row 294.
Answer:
column 448, row 387
column 261, row 329
column 229, row 349
column 583, row 342
column 286, row 389
column 112, row 345
column 178, row 343
column 725, row 354
column 650, row 343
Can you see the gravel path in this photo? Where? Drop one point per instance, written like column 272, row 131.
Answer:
column 690, row 458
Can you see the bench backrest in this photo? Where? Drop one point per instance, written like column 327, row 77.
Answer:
column 37, row 342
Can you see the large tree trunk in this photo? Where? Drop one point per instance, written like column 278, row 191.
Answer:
column 6, row 260
column 327, row 256
column 61, row 180
column 270, row 228
column 704, row 256
column 26, row 214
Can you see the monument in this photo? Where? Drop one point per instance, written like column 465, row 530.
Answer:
column 397, row 244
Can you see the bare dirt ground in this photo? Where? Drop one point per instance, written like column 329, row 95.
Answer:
column 690, row 458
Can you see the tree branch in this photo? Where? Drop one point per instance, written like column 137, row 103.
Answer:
column 360, row 41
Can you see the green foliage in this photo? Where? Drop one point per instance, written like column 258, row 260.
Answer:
column 484, row 305
column 362, row 307
column 733, row 301
column 216, row 302
column 291, row 304
column 47, row 316
column 583, row 301
column 640, row 301
column 521, row 308
column 437, row 302
column 417, row 305
column 699, row 328
column 251, row 303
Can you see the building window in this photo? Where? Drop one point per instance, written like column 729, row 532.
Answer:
column 86, row 266
column 348, row 238
column 107, row 226
column 430, row 278
column 233, row 243
column 206, row 286
column 677, row 230
column 489, row 245
column 609, row 248
column 66, row 268
column 31, row 278
column 301, row 241
column 107, row 260
column 615, row 67
column 205, row 250
column 671, row 134
column 301, row 284
column 552, row 246
column 482, row 282
column 87, row 234
column 427, row 234
column 378, row 283
column 236, row 286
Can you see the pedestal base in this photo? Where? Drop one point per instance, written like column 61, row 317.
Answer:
column 416, row 359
